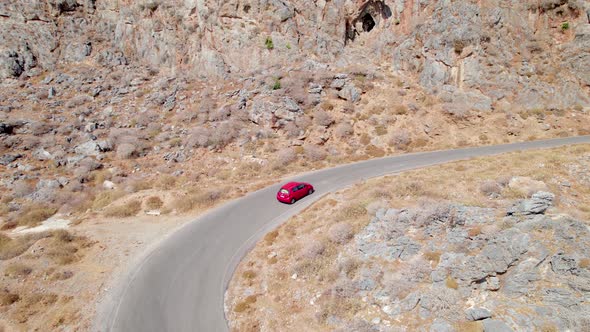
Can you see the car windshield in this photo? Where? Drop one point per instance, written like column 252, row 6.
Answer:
column 284, row 191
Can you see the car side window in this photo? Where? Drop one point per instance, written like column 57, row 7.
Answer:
column 294, row 189
column 301, row 186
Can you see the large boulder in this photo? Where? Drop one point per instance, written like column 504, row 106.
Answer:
column 538, row 204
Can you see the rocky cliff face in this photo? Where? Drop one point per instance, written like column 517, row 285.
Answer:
column 525, row 52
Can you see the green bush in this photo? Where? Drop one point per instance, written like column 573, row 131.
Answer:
column 269, row 44
column 277, row 84
column 565, row 26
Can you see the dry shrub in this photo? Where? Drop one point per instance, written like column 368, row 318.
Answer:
column 270, row 237
column 313, row 250
column 585, row 263
column 245, row 304
column 63, row 248
column 292, row 130
column 17, row 270
column 154, row 203
column 224, row 134
column 31, row 304
column 248, row 169
column 327, row 106
column 4, row 209
column 400, row 110
column 127, row 151
column 349, row 267
column 303, row 122
column 166, row 182
column 340, row 233
column 23, row 188
column 286, row 156
column 343, row 130
column 469, row 326
column 198, row 138
column 451, row 283
column 419, row 142
column 490, row 187
column 323, row 118
column 62, row 275
column 338, row 307
column 7, row 297
column 314, row 153
column 192, row 201
column 374, row 151
column 474, row 231
column 249, row 274
column 139, row 185
column 352, row 211
column 400, row 139
column 380, row 130
column 433, row 256
column 10, row 248
column 78, row 101
column 32, row 215
column 365, row 139
column 412, row 188
column 105, row 198
column 457, row 114
column 128, row 209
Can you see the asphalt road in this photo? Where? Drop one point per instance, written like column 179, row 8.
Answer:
column 180, row 285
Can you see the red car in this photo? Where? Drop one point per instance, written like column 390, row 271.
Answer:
column 293, row 191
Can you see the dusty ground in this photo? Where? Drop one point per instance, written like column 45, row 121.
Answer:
column 284, row 281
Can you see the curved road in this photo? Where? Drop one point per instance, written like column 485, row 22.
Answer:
column 180, row 285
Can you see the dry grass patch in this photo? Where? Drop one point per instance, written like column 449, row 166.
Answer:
column 7, row 297
column 17, row 270
column 166, row 182
column 338, row 307
column 200, row 199
column 14, row 247
column 374, row 151
column 246, row 304
column 380, row 130
column 31, row 304
column 154, row 203
column 105, row 198
column 128, row 209
column 469, row 327
column 65, row 248
column 451, row 283
column 270, row 237
column 433, row 256
column 352, row 211
column 249, row 274
column 33, row 215
column 474, row 231
column 585, row 263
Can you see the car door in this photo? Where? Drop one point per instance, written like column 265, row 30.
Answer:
column 295, row 192
column 300, row 192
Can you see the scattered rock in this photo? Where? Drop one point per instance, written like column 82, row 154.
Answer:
column 538, row 204
column 441, row 325
column 6, row 159
column 494, row 325
column 474, row 314
column 90, row 148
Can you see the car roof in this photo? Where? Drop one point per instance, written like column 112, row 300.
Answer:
column 290, row 185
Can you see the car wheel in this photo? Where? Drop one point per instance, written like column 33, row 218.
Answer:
column 292, row 200
column 310, row 191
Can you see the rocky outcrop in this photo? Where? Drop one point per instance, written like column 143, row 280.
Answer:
column 488, row 275
column 472, row 54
